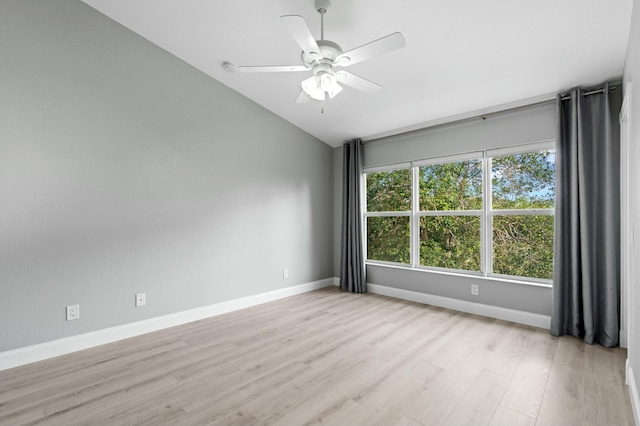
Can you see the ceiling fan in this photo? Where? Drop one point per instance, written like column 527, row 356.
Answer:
column 323, row 56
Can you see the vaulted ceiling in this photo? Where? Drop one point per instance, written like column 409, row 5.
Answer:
column 461, row 57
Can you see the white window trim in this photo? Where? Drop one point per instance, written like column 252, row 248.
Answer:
column 520, row 149
column 449, row 213
column 456, row 158
column 387, row 167
column 522, row 212
column 387, row 214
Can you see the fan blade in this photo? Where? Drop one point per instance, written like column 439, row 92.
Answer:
column 278, row 68
column 375, row 48
column 356, row 82
column 302, row 34
column 303, row 97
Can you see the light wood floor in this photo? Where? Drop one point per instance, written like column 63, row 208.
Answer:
column 332, row 358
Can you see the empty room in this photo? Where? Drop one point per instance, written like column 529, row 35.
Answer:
column 297, row 212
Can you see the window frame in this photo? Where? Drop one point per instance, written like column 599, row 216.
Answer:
column 367, row 214
column 491, row 212
column 486, row 213
column 418, row 214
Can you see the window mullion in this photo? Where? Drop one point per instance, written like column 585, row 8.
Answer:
column 363, row 209
column 450, row 213
column 487, row 220
column 415, row 224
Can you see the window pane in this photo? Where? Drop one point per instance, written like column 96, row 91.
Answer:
column 524, row 181
column 523, row 246
column 451, row 186
column 388, row 238
column 389, row 191
column 450, row 242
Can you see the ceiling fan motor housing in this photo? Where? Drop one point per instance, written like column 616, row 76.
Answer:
column 329, row 51
column 319, row 69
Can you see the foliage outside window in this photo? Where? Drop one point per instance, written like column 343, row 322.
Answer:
column 450, row 242
column 449, row 238
column 388, row 229
column 499, row 224
column 523, row 193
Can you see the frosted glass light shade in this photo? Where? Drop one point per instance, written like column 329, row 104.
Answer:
column 313, row 88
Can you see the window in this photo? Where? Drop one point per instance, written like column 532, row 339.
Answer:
column 488, row 213
column 523, row 193
column 450, row 209
column 388, row 215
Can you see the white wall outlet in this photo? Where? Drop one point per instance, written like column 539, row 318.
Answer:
column 141, row 299
column 73, row 312
column 474, row 289
column 285, row 273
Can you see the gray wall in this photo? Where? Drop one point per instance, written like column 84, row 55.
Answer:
column 125, row 170
column 515, row 127
column 632, row 75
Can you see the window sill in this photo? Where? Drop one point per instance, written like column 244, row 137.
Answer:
column 462, row 275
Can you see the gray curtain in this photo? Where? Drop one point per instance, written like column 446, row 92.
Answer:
column 586, row 283
column 352, row 273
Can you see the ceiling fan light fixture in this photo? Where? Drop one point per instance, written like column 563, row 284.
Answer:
column 329, row 84
column 327, row 81
column 313, row 88
column 320, row 85
column 334, row 90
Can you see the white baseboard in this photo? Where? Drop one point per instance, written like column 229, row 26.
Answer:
column 633, row 392
column 42, row 351
column 520, row 317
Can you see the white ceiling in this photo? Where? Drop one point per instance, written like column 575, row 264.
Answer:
column 462, row 56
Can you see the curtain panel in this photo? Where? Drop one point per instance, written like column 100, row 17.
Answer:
column 586, row 279
column 352, row 272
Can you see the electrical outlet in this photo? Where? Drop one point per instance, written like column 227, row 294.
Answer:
column 474, row 289
column 285, row 274
column 73, row 312
column 141, row 299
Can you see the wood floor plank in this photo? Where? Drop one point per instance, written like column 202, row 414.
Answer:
column 560, row 409
column 113, row 402
column 407, row 421
column 206, row 403
column 39, row 395
column 529, row 381
column 507, row 417
column 397, row 388
column 327, row 357
column 570, row 362
column 508, row 354
column 479, row 403
column 239, row 417
column 449, row 387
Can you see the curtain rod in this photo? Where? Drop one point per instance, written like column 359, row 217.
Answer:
column 592, row 92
